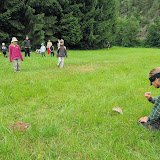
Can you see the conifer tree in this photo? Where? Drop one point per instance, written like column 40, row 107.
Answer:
column 11, row 16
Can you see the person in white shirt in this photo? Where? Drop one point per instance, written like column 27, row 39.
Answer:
column 43, row 49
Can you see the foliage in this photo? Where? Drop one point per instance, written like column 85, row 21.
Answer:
column 82, row 24
column 153, row 35
column 71, row 30
column 145, row 11
column 127, row 31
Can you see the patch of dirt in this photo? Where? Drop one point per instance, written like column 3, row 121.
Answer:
column 82, row 68
column 19, row 126
column 49, row 76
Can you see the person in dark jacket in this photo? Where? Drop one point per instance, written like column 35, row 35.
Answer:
column 4, row 50
column 51, row 50
column 27, row 46
column 61, row 54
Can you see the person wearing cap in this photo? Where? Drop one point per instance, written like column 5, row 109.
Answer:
column 61, row 54
column 4, row 50
column 15, row 54
column 153, row 120
column 43, row 49
column 27, row 46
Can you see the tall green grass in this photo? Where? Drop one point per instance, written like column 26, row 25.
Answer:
column 70, row 109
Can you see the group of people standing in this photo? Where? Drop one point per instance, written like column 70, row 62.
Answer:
column 15, row 54
column 50, row 49
column 15, row 51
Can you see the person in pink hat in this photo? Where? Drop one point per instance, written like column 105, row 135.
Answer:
column 15, row 54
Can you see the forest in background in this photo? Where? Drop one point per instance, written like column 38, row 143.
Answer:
column 83, row 24
column 138, row 23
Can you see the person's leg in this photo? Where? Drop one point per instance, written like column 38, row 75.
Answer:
column 25, row 52
column 153, row 126
column 53, row 54
column 28, row 52
column 59, row 61
column 4, row 54
column 48, row 50
column 62, row 62
column 18, row 65
column 15, row 65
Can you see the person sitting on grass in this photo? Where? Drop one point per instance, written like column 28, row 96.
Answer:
column 153, row 120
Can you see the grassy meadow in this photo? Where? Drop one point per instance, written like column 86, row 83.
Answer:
column 70, row 109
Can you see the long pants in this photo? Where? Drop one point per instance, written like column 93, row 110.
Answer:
column 48, row 50
column 60, row 62
column 16, row 63
column 43, row 54
column 5, row 54
column 27, row 51
column 52, row 53
column 153, row 126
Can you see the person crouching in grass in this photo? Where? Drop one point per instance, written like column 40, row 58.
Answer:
column 15, row 54
column 153, row 120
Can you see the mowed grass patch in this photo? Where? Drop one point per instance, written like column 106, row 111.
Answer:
column 70, row 109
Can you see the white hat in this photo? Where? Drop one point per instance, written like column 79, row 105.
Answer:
column 3, row 44
column 14, row 39
column 61, row 40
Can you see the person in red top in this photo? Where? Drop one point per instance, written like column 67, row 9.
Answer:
column 15, row 54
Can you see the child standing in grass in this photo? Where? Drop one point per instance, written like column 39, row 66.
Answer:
column 52, row 50
column 61, row 53
column 15, row 54
column 108, row 45
column 43, row 49
column 153, row 120
column 4, row 50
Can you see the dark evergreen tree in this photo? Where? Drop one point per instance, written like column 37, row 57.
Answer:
column 11, row 15
column 98, row 23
